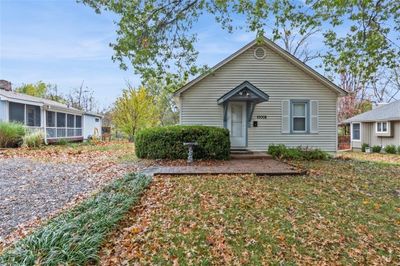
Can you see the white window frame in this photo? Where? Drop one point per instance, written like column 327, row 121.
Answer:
column 381, row 126
column 351, row 132
column 292, row 116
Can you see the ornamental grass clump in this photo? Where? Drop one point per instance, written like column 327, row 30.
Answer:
column 75, row 237
column 33, row 139
column 11, row 134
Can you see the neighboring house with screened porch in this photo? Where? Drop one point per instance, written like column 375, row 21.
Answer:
column 377, row 127
column 264, row 95
column 56, row 120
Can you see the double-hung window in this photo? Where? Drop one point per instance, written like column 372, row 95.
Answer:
column 356, row 131
column 381, row 127
column 299, row 117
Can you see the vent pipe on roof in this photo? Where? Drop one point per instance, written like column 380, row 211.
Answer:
column 5, row 85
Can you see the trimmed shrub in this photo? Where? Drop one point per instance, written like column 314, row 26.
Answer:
column 364, row 146
column 11, row 134
column 376, row 149
column 398, row 149
column 280, row 151
column 33, row 140
column 167, row 142
column 390, row 149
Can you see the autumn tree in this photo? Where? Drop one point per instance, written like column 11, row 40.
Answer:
column 42, row 90
column 134, row 110
column 361, row 37
column 38, row 89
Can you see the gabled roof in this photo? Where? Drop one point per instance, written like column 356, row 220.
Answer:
column 276, row 48
column 387, row 112
column 259, row 95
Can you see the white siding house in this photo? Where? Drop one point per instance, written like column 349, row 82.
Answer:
column 264, row 96
column 92, row 125
column 56, row 120
column 377, row 127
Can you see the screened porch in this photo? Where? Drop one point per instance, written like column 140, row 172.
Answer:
column 62, row 125
column 54, row 124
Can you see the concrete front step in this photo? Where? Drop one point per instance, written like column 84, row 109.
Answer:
column 250, row 156
column 240, row 151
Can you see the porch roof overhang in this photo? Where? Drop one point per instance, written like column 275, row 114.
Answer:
column 245, row 92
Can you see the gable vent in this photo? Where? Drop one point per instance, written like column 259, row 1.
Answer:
column 259, row 53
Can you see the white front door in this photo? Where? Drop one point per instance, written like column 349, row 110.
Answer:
column 237, row 124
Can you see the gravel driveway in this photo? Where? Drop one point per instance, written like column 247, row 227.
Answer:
column 31, row 189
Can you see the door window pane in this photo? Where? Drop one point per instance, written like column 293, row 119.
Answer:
column 17, row 112
column 60, row 120
column 70, row 121
column 78, row 121
column 237, row 112
column 32, row 116
column 50, row 119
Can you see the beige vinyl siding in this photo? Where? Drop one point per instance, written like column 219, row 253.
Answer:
column 281, row 80
column 370, row 137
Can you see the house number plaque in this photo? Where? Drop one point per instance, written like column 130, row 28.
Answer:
column 261, row 117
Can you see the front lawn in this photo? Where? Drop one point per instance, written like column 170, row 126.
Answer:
column 375, row 157
column 344, row 212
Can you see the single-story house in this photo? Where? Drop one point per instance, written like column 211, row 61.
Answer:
column 379, row 126
column 264, row 95
column 56, row 120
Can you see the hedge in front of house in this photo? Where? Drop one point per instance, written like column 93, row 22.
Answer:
column 167, row 142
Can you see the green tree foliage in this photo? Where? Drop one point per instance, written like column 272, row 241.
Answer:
column 134, row 110
column 38, row 89
column 162, row 90
column 156, row 36
column 42, row 90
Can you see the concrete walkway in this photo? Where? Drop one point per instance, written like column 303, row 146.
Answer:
column 261, row 166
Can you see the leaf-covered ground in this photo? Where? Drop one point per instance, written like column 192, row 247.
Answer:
column 344, row 212
column 36, row 184
column 115, row 151
column 375, row 157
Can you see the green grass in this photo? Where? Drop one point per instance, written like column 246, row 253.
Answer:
column 344, row 212
column 74, row 238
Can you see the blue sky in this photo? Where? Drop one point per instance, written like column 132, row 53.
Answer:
column 63, row 42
